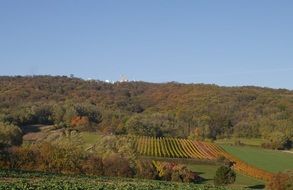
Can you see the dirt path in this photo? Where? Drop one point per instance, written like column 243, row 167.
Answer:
column 35, row 132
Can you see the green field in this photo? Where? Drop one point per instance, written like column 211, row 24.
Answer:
column 245, row 141
column 89, row 138
column 41, row 181
column 270, row 160
column 208, row 173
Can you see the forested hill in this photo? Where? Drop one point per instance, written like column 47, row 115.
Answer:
column 169, row 109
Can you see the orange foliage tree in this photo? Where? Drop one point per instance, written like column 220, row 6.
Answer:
column 80, row 121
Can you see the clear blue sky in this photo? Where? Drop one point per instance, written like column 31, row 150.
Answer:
column 231, row 43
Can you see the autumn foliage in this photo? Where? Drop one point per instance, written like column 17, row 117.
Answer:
column 281, row 181
column 80, row 121
column 68, row 160
column 168, row 109
column 46, row 157
column 175, row 172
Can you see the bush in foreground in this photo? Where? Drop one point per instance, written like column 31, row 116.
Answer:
column 176, row 172
column 115, row 165
column 51, row 158
column 71, row 160
column 146, row 169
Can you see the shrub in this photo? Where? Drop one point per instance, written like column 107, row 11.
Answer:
column 278, row 140
column 108, row 145
column 224, row 175
column 115, row 165
column 21, row 157
column 80, row 122
column 59, row 159
column 146, row 170
column 191, row 177
column 10, row 135
column 175, row 176
column 93, row 165
column 51, row 158
column 65, row 159
column 224, row 161
column 281, row 181
column 175, row 172
column 139, row 125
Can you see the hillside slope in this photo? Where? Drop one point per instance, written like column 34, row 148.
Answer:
column 169, row 109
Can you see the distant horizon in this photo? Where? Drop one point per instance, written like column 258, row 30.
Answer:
column 228, row 43
column 151, row 82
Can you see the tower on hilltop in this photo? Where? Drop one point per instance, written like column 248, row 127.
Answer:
column 123, row 78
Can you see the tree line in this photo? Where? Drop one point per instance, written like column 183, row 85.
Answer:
column 167, row 109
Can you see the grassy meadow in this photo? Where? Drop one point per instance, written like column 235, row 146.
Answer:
column 244, row 141
column 242, row 181
column 270, row 160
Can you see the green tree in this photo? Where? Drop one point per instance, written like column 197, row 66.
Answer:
column 138, row 125
column 224, row 175
column 278, row 140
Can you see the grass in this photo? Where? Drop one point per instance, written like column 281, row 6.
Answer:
column 270, row 160
column 242, row 181
column 89, row 138
column 205, row 171
column 245, row 141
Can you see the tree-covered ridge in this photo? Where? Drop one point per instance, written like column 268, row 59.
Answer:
column 167, row 109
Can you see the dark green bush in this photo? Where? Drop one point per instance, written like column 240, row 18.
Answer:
column 224, row 175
